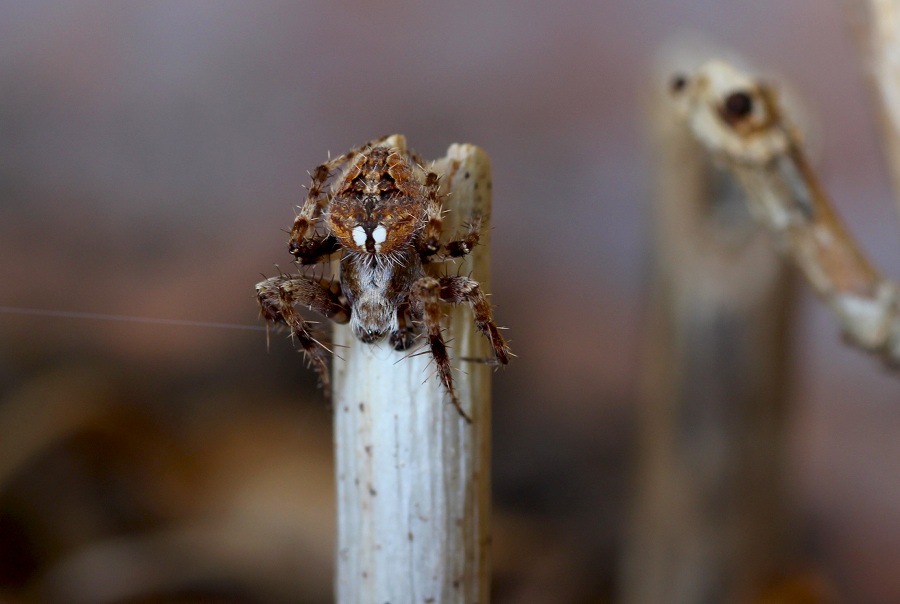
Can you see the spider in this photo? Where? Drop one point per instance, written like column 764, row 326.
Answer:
column 383, row 214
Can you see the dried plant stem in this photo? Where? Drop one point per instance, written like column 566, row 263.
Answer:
column 413, row 477
column 764, row 153
column 877, row 27
column 712, row 417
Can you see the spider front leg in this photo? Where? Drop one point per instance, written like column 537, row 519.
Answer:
column 427, row 292
column 462, row 247
column 429, row 243
column 314, row 249
column 431, row 249
column 304, row 243
column 457, row 290
column 277, row 297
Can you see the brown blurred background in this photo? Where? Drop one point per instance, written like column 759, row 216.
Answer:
column 151, row 155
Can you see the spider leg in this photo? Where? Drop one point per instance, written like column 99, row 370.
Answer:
column 316, row 199
column 402, row 338
column 277, row 297
column 429, row 243
column 427, row 291
column 457, row 248
column 314, row 249
column 457, row 290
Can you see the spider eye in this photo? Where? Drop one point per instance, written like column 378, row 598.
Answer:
column 738, row 105
column 678, row 83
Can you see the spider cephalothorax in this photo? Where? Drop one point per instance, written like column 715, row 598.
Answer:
column 384, row 214
column 380, row 206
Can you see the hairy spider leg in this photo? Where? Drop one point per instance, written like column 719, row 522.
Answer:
column 277, row 297
column 457, row 248
column 429, row 243
column 459, row 290
column 427, row 291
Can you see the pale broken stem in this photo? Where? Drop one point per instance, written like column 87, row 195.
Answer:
column 765, row 155
column 876, row 24
column 413, row 477
column 796, row 208
column 713, row 407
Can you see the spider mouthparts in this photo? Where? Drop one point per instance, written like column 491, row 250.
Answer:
column 370, row 336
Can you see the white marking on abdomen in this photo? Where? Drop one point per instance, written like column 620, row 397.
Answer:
column 359, row 236
column 379, row 235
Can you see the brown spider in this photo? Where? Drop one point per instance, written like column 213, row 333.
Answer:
column 384, row 214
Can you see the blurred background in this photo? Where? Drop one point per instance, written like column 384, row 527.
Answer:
column 151, row 155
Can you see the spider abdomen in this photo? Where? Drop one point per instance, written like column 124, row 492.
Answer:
column 376, row 286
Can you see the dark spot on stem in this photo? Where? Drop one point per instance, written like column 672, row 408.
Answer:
column 738, row 105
